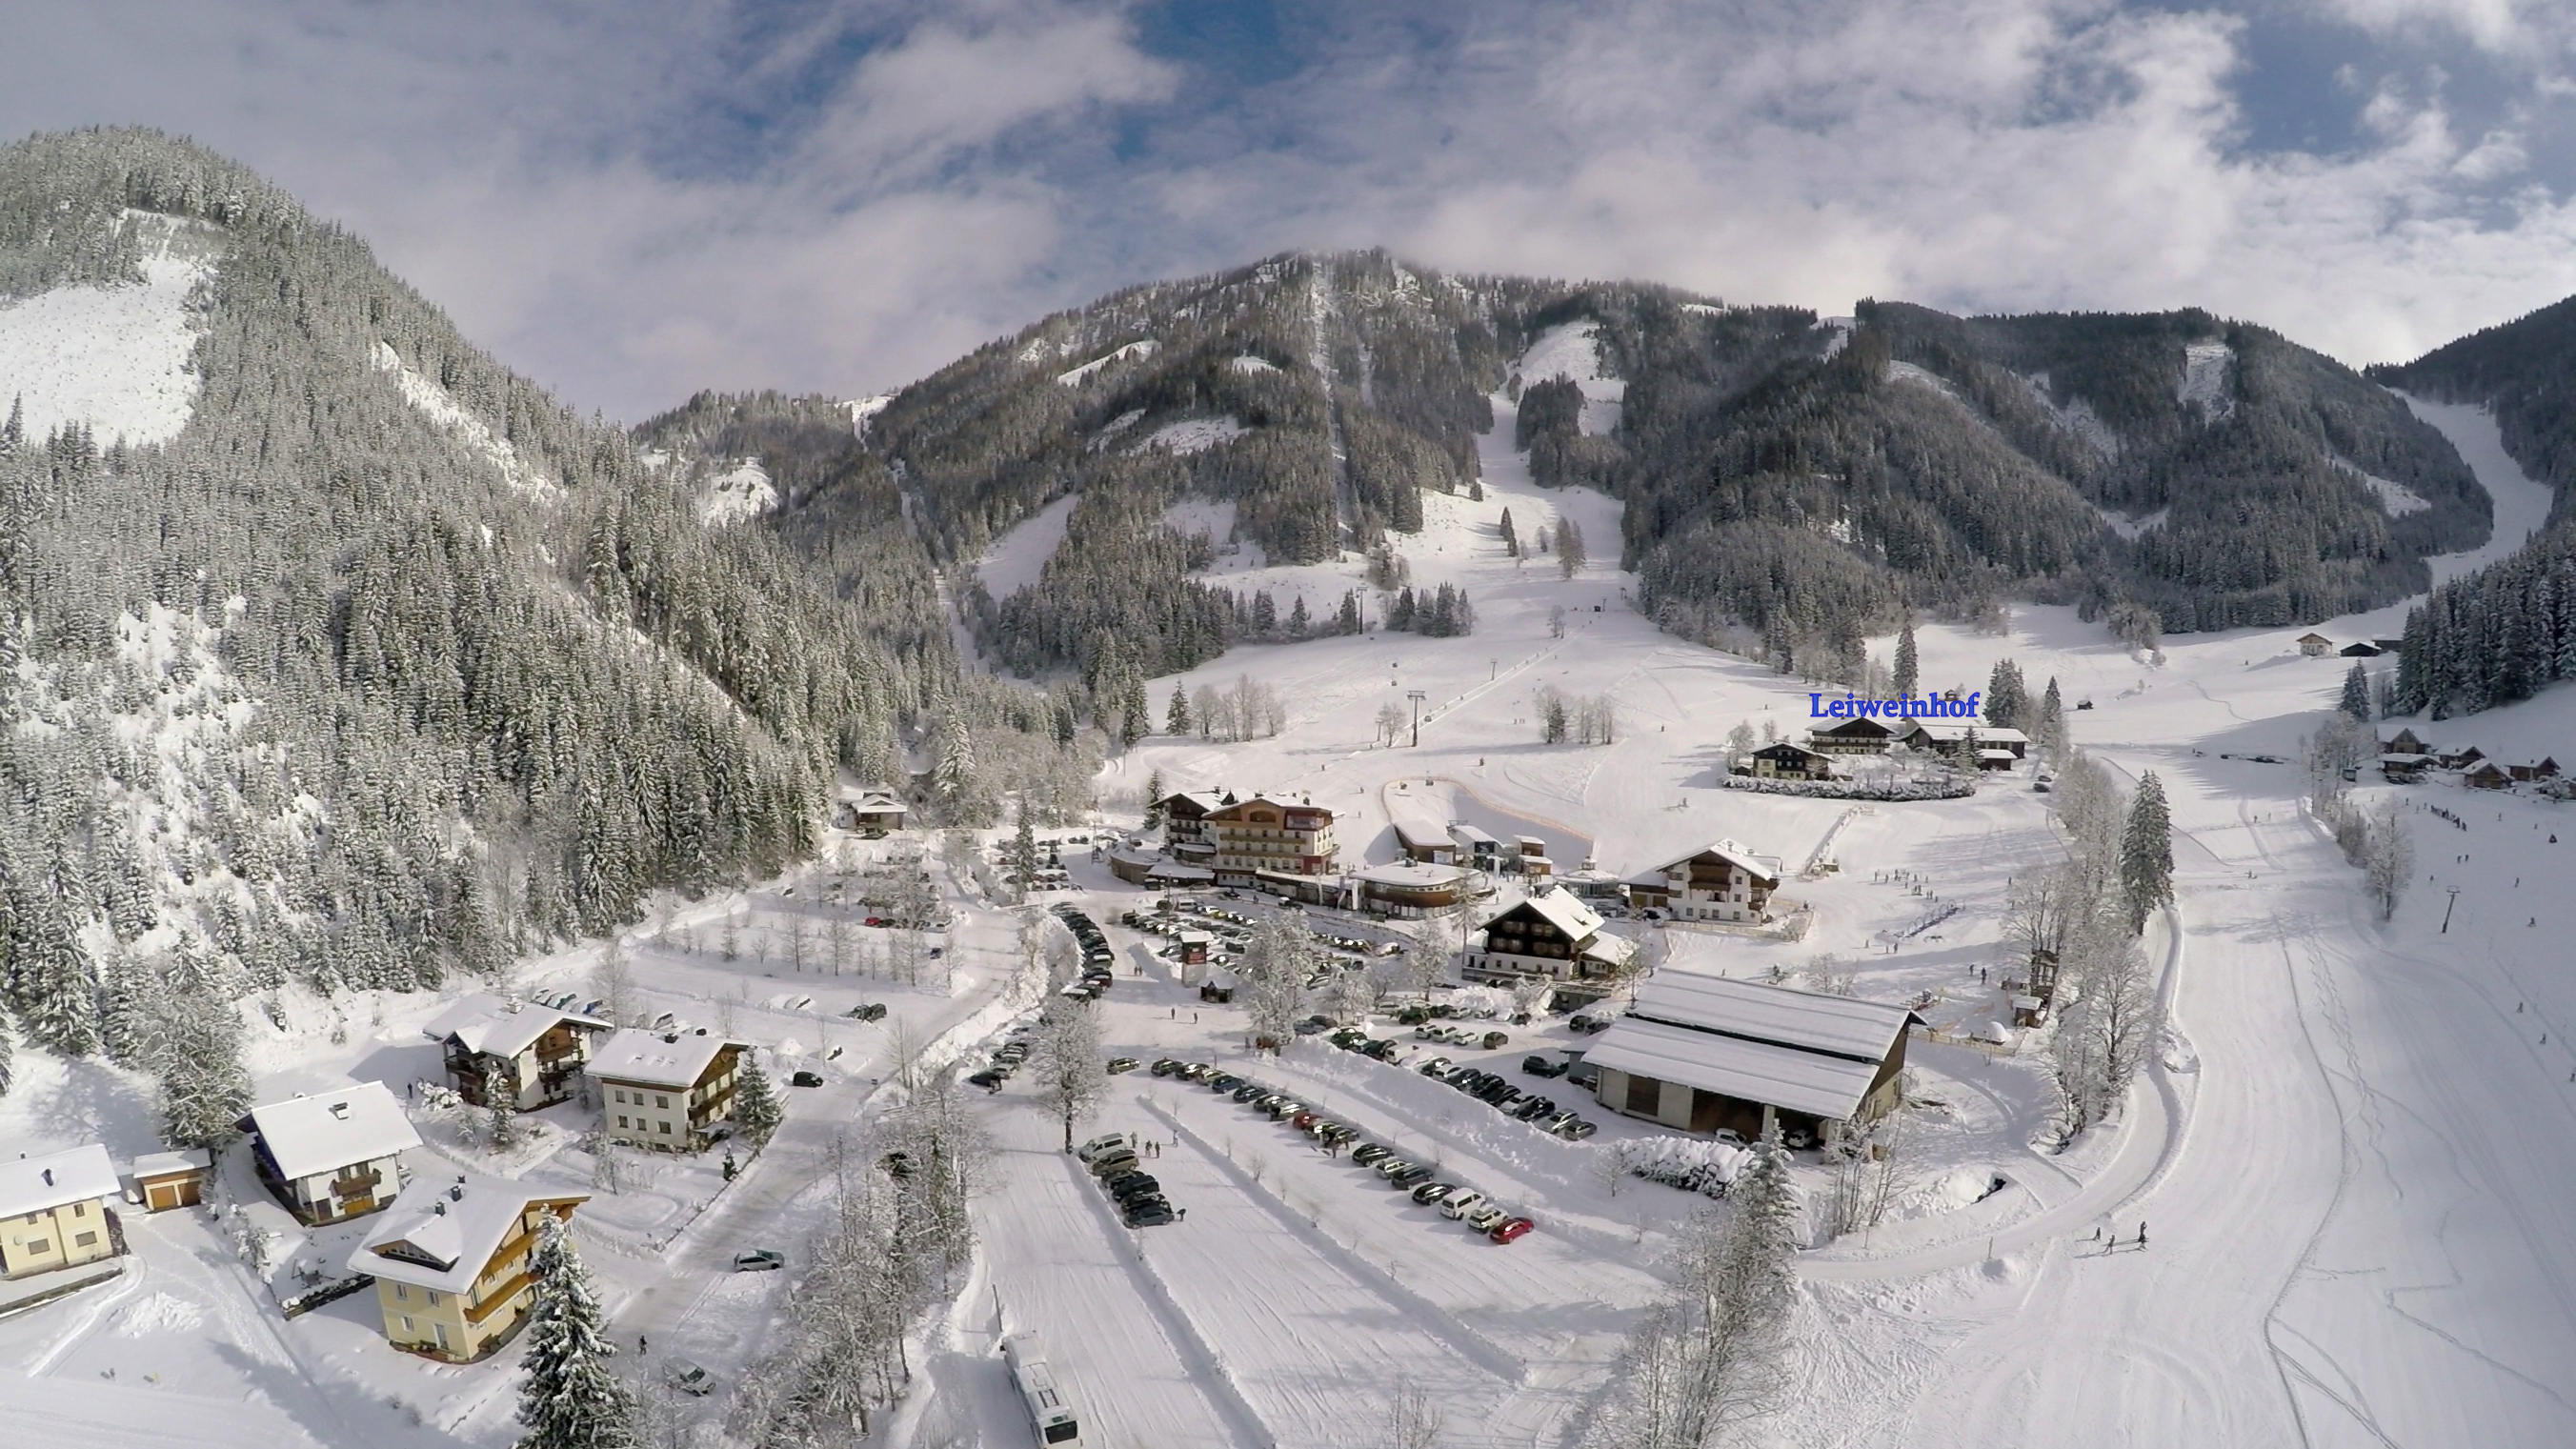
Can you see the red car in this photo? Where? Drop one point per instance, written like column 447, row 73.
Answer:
column 1510, row 1228
column 874, row 921
column 1302, row 1121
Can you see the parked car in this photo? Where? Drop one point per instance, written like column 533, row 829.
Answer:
column 1121, row 1064
column 1577, row 1129
column 1435, row 1066
column 1248, row 1090
column 806, row 1079
column 1414, row 1175
column 688, row 1378
column 1432, row 1192
column 1100, row 1144
column 759, row 1260
column 1497, row 1040
column 1535, row 1108
column 1109, row 1164
column 1459, row 1204
column 1149, row 1214
column 1486, row 1219
column 1311, row 1025
column 1164, row 1067
column 1284, row 1109
column 1510, row 1229
column 1133, row 1185
column 988, row 1079
column 1224, row 1082
column 1539, row 1066
column 1392, row 1164
column 1370, row 1154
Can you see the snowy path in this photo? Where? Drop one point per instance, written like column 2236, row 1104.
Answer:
column 2521, row 505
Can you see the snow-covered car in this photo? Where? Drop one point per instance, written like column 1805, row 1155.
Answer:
column 1430, row 1193
column 1152, row 1213
column 688, row 1378
column 759, row 1260
column 1100, row 1144
column 806, row 1079
column 1121, row 1064
column 1539, row 1066
column 1486, row 1219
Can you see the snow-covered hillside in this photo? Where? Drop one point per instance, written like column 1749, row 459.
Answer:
column 115, row 358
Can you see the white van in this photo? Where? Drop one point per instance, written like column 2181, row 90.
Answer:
column 1050, row 1411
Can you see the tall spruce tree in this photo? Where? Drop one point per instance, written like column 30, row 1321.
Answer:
column 1909, row 664
column 2356, row 692
column 756, row 1108
column 1176, row 715
column 570, row 1399
column 2007, row 702
column 2146, row 852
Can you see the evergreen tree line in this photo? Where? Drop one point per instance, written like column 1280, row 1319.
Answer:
column 2493, row 636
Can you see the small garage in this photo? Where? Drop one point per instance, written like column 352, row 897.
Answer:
column 168, row 1180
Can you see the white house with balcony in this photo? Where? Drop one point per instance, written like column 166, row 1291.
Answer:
column 1721, row 882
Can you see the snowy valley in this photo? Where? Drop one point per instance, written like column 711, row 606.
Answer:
column 734, row 764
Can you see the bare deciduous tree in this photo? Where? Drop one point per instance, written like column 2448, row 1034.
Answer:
column 1065, row 1062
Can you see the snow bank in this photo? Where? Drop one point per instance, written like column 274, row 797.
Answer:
column 1193, row 435
column 1571, row 350
column 1075, row 376
column 1957, row 787
column 2208, row 379
column 2132, row 528
column 469, row 431
column 115, row 358
column 1249, row 363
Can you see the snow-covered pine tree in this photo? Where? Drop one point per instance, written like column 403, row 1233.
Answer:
column 1300, row 623
column 2051, row 735
column 2006, row 700
column 1154, row 798
column 570, row 1398
column 1348, row 620
column 953, row 750
column 756, row 1108
column 1909, row 671
column 205, row 1088
column 1570, row 556
column 2356, row 692
column 1511, row 541
column 2146, row 852
column 1176, row 715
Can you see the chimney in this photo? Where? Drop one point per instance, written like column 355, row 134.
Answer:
column 49, row 1176
column 340, row 1111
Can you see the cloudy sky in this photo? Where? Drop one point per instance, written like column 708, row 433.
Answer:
column 635, row 199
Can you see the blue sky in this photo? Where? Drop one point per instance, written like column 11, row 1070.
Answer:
column 635, row 199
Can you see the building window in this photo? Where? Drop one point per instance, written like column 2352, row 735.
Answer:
column 40, row 1245
column 621, row 1121
column 666, row 1129
column 661, row 1101
column 403, row 1292
column 84, row 1240
column 433, row 1298
column 406, row 1326
column 621, row 1097
column 1645, row 1094
column 80, row 1209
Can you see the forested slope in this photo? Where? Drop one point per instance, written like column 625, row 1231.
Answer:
column 387, row 665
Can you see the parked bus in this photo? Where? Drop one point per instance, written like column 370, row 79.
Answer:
column 1050, row 1411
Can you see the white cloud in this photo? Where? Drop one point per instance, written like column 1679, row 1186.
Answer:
column 637, row 200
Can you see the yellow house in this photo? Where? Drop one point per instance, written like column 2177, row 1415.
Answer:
column 451, row 1267
column 53, row 1211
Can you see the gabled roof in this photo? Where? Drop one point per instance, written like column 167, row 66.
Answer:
column 1951, row 732
column 1864, row 725
column 1207, row 801
column 54, row 1179
column 1766, row 867
column 486, row 1023
column 658, row 1059
column 1559, row 908
column 308, row 1135
column 172, row 1164
column 1801, row 1081
column 1807, row 1020
column 873, row 799
column 1790, row 747
column 443, row 1231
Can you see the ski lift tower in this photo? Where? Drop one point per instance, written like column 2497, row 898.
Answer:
column 1417, row 697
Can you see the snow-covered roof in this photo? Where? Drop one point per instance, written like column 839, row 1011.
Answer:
column 1470, row 836
column 486, row 1023
column 172, row 1164
column 1412, row 875
column 1173, row 870
column 1205, row 800
column 1751, row 1071
column 441, row 1236
column 1766, row 867
column 1951, row 732
column 658, row 1059
column 1805, row 1020
column 1996, row 755
column 308, row 1135
column 872, row 798
column 75, row 1174
column 1560, row 908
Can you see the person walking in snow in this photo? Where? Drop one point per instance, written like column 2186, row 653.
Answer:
column 2142, row 1235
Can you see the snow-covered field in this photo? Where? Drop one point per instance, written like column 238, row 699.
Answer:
column 2354, row 1148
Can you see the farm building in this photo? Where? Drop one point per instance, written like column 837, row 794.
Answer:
column 1862, row 736
column 1953, row 737
column 1703, row 1052
column 452, row 1272
column 2315, row 646
column 514, row 1052
column 1788, row 761
column 1723, row 882
column 333, row 1156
